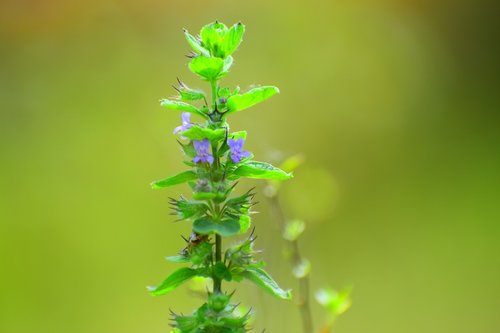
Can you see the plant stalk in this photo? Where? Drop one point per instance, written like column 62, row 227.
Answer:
column 213, row 85
column 295, row 259
column 218, row 238
column 218, row 258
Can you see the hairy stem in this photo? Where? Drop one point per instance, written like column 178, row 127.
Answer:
column 295, row 260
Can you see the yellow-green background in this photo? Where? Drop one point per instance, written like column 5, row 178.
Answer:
column 394, row 104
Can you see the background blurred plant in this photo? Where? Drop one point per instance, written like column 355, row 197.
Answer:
column 216, row 160
column 334, row 302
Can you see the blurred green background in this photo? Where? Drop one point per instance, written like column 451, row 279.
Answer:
column 395, row 105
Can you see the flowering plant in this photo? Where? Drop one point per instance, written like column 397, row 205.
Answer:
column 216, row 160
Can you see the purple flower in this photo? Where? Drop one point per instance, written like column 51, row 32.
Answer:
column 186, row 124
column 237, row 152
column 202, row 148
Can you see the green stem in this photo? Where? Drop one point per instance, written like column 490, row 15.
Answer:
column 213, row 84
column 218, row 258
column 218, row 238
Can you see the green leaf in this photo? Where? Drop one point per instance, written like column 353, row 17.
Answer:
column 260, row 170
column 218, row 301
column 292, row 163
column 188, row 94
column 207, row 68
column 220, row 270
column 174, row 180
column 293, row 230
column 186, row 209
column 200, row 254
column 245, row 223
column 224, row 92
column 188, row 150
column 173, row 281
column 195, row 44
column 200, row 133
column 204, row 195
column 228, row 62
column 212, row 36
column 181, row 106
column 250, row 98
column 266, row 282
column 178, row 259
column 233, row 38
column 225, row 228
column 238, row 135
column 336, row 302
column 240, row 255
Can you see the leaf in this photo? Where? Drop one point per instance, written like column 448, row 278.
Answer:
column 292, row 163
column 181, row 106
column 178, row 259
column 186, row 209
column 233, row 38
column 334, row 301
column 224, row 92
column 174, row 280
column 261, row 170
column 200, row 133
column 204, row 195
column 228, row 62
column 238, row 135
column 220, row 270
column 195, row 44
column 207, row 68
column 188, row 150
column 250, row 98
column 225, row 228
column 266, row 282
column 201, row 253
column 293, row 230
column 245, row 223
column 188, row 94
column 174, row 180
column 212, row 36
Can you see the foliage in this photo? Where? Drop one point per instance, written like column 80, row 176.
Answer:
column 216, row 160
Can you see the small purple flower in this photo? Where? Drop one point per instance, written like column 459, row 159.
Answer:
column 237, row 152
column 186, row 124
column 202, row 148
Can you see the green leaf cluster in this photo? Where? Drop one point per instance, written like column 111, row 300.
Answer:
column 216, row 315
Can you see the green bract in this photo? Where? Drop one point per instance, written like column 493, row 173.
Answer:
column 216, row 159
